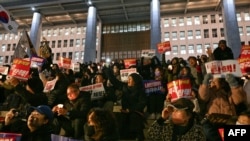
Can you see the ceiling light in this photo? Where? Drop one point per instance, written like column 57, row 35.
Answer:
column 33, row 8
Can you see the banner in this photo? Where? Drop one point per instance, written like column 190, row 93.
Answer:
column 97, row 90
column 148, row 53
column 7, row 21
column 125, row 73
column 36, row 62
column 23, row 45
column 20, row 69
column 129, row 63
column 4, row 70
column 180, row 88
column 244, row 60
column 10, row 136
column 64, row 63
column 221, row 68
column 50, row 85
column 55, row 137
column 76, row 67
column 163, row 47
column 152, row 86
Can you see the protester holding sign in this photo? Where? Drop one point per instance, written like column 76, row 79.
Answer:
column 133, row 102
column 71, row 115
column 223, row 96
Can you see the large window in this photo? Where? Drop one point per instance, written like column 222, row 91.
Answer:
column 206, row 33
column 197, row 20
column 190, row 34
column 199, row 48
column 59, row 43
column 78, row 42
column 181, row 21
column 174, row 35
column 247, row 16
column 214, row 33
column 71, row 42
column 166, row 36
column 173, row 22
column 189, row 21
column 53, row 44
column 222, row 32
column 65, row 43
column 220, row 18
column 183, row 49
column 191, row 49
column 182, row 35
column 213, row 20
column 198, row 34
column 238, row 17
column 174, row 50
column 3, row 47
column 241, row 30
column 248, row 30
column 205, row 19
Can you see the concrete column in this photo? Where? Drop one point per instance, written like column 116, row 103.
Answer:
column 155, row 35
column 35, row 32
column 231, row 28
column 90, row 40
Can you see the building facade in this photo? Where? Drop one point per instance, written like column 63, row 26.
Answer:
column 189, row 35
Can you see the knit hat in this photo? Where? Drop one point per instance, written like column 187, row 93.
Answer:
column 35, row 84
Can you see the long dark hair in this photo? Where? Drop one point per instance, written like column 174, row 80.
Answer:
column 105, row 123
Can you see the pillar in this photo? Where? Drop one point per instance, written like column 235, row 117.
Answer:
column 231, row 28
column 90, row 40
column 35, row 32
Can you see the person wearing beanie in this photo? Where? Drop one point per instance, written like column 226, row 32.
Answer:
column 133, row 102
column 177, row 122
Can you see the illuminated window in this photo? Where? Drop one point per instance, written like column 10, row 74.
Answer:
column 247, row 16
column 214, row 33
column 189, row 21
column 175, row 50
column 166, row 23
column 197, row 34
column 241, row 31
column 173, row 22
column 213, row 19
column 190, row 34
column 199, row 48
column 238, row 17
column 248, row 30
column 181, row 21
column 174, row 35
column 182, row 35
column 166, row 36
column 205, row 20
column 183, row 49
column 197, row 20
column 191, row 49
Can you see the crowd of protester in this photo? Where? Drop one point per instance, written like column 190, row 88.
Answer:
column 69, row 112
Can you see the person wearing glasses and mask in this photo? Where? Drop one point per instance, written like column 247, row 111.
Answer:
column 177, row 122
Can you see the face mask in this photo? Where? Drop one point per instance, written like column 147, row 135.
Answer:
column 90, row 131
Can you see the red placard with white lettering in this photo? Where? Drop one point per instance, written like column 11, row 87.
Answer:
column 244, row 60
column 163, row 47
column 65, row 63
column 129, row 62
column 20, row 69
column 180, row 88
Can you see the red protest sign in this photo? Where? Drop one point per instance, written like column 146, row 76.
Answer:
column 163, row 47
column 129, row 62
column 244, row 60
column 65, row 63
column 20, row 69
column 180, row 88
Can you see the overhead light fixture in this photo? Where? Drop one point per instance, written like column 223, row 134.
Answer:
column 33, row 8
column 89, row 2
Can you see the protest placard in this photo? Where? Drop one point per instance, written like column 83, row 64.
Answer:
column 163, row 47
column 125, row 73
column 36, row 62
column 10, row 136
column 4, row 70
column 152, row 86
column 50, row 85
column 244, row 60
column 180, row 88
column 148, row 53
column 64, row 63
column 20, row 69
column 97, row 90
column 129, row 63
column 221, row 68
